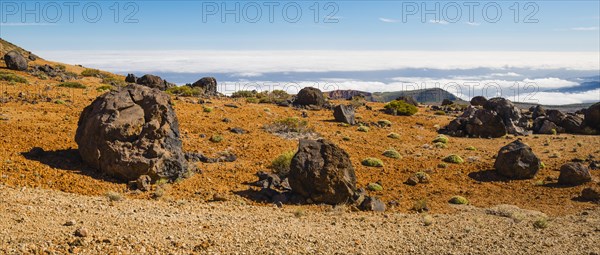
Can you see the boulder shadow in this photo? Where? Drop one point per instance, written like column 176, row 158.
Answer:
column 271, row 196
column 68, row 159
column 489, row 175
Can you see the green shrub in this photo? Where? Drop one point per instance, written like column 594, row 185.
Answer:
column 384, row 123
column 114, row 196
column 363, row 129
column 374, row 187
column 11, row 77
column 373, row 162
column 427, row 220
column 397, row 107
column 244, row 93
column 542, row 165
column 216, row 138
column 207, row 109
column 391, row 153
column 346, row 138
column 58, row 101
column 252, row 100
column 420, row 205
column 112, row 80
column 185, row 91
column 61, row 67
column 458, row 200
column 423, row 177
column 540, row 223
column 281, row 164
column 440, row 145
column 471, row 148
column 90, row 72
column 441, row 139
column 454, row 159
column 393, row 135
column 104, row 88
column 289, row 125
column 71, row 84
column 439, row 113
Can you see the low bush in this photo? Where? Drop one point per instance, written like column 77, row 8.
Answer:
column 384, row 123
column 71, row 84
column 454, row 159
column 458, row 200
column 394, row 135
column 289, row 125
column 363, row 129
column 372, row 162
column 281, row 164
column 185, row 91
column 90, row 72
column 207, row 109
column 392, row 153
column 441, row 139
column 374, row 187
column 11, row 77
column 471, row 148
column 216, row 138
column 397, row 107
column 104, row 88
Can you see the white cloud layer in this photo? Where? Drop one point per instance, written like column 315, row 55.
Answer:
column 319, row 61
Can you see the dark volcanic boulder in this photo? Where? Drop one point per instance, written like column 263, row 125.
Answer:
column 130, row 133
column 15, row 61
column 573, row 124
column 555, row 116
column 544, row 126
column 322, row 172
column 574, row 173
column 208, row 85
column 310, row 96
column 592, row 116
column 510, row 114
column 517, row 161
column 537, row 111
column 131, row 78
column 408, row 100
column 154, row 82
column 344, row 113
column 485, row 123
column 478, row 101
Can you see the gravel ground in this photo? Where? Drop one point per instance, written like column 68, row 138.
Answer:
column 45, row 221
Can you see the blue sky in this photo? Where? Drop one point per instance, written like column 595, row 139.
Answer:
column 361, row 25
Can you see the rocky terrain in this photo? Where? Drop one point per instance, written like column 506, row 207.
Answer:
column 121, row 184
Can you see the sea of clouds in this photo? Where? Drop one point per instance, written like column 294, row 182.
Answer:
column 531, row 77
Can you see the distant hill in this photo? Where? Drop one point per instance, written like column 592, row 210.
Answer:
column 424, row 96
column 6, row 46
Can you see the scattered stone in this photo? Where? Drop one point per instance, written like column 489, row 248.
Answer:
column 132, row 132
column 591, row 193
column 372, row 204
column 574, row 173
column 412, row 180
column 81, row 232
column 226, row 120
column 232, row 106
column 447, row 101
column 237, row 130
column 131, row 78
column 345, row 114
column 517, row 161
column 70, row 223
column 323, row 172
column 220, row 198
column 15, row 61
column 143, row 183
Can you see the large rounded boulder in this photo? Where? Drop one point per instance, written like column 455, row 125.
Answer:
column 310, row 96
column 478, row 101
column 322, row 172
column 517, row 161
column 155, row 82
column 15, row 61
column 132, row 132
column 574, row 173
column 592, row 116
column 208, row 85
column 344, row 113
